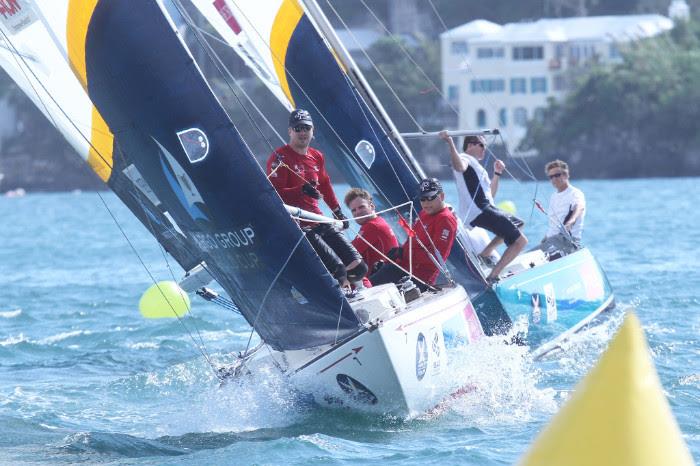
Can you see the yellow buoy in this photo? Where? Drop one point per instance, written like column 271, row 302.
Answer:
column 164, row 299
column 617, row 416
column 507, row 207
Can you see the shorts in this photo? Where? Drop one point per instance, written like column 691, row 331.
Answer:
column 499, row 223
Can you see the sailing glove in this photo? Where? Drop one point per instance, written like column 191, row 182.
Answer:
column 395, row 253
column 310, row 190
column 339, row 215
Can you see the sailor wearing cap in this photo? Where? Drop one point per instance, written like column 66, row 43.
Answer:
column 435, row 232
column 298, row 173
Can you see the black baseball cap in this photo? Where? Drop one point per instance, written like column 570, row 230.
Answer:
column 300, row 117
column 430, row 187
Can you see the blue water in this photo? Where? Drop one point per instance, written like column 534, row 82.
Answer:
column 85, row 379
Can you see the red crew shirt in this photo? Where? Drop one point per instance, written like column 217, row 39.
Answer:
column 300, row 169
column 380, row 235
column 438, row 230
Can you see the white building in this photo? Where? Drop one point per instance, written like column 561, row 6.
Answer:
column 502, row 76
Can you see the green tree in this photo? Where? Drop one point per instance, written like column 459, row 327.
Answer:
column 638, row 118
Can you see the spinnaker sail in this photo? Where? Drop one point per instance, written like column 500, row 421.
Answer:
column 119, row 82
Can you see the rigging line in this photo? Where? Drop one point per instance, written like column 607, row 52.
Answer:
column 335, row 133
column 235, row 81
column 391, row 261
column 96, row 151
column 408, row 55
column 386, row 155
column 219, row 65
column 272, row 284
column 489, row 102
column 58, row 106
column 15, row 54
column 376, row 68
column 432, row 5
column 202, row 347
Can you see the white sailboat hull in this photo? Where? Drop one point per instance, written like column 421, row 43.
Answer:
column 398, row 365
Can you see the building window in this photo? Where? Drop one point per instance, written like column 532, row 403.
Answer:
column 481, row 118
column 560, row 82
column 518, row 86
column 490, row 52
column 538, row 85
column 502, row 117
column 459, row 47
column 481, row 86
column 520, row 116
column 453, row 94
column 528, row 53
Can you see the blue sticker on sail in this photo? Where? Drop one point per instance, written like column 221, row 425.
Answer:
column 195, row 143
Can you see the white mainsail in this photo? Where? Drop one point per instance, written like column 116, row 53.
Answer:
column 37, row 52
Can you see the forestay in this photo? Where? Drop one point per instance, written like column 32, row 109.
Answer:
column 116, row 79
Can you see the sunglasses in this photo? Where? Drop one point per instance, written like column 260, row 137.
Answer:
column 477, row 144
column 555, row 175
column 300, row 128
column 429, row 198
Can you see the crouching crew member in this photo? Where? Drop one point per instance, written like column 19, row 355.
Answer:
column 434, row 231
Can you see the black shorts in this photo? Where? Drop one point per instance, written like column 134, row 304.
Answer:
column 333, row 248
column 499, row 223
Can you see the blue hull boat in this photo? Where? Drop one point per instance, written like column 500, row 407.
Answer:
column 552, row 299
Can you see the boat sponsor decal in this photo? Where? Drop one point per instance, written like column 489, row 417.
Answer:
column 182, row 185
column 134, row 175
column 421, row 356
column 551, row 300
column 227, row 15
column 356, row 390
column 473, row 323
column 298, row 297
column 352, row 353
column 435, row 347
column 195, row 143
column 593, row 281
column 536, row 311
column 225, row 239
column 365, row 150
column 16, row 14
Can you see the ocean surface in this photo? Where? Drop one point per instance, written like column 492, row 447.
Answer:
column 85, row 379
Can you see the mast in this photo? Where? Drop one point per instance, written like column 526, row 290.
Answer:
column 316, row 14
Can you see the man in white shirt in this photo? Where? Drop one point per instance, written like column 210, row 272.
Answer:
column 567, row 209
column 477, row 208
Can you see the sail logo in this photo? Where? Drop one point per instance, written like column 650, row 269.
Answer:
column 16, row 15
column 365, row 150
column 182, row 185
column 195, row 144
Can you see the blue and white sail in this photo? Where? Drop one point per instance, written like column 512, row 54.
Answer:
column 118, row 81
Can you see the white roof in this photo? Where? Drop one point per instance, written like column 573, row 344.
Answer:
column 593, row 28
column 471, row 29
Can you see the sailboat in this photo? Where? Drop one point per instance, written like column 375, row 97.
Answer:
column 292, row 48
column 120, row 83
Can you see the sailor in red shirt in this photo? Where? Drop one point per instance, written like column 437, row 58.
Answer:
column 374, row 230
column 435, row 231
column 298, row 173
